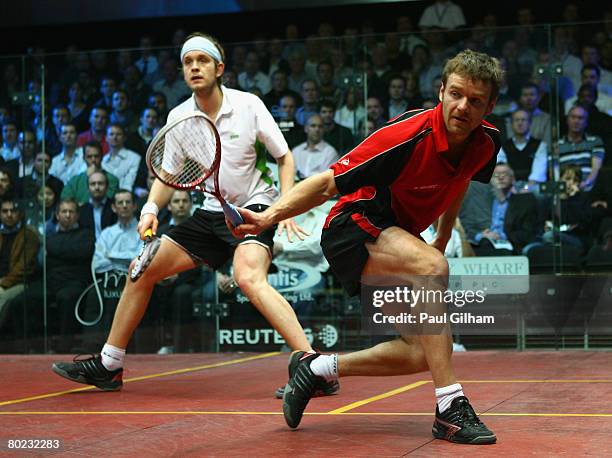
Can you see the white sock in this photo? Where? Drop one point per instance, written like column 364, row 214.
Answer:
column 326, row 366
column 445, row 395
column 112, row 357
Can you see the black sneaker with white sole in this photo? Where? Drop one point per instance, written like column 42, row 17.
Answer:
column 301, row 386
column 90, row 371
column 326, row 389
column 459, row 423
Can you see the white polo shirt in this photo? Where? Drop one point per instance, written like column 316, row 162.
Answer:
column 242, row 121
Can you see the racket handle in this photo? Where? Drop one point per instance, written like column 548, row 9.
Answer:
column 148, row 234
column 232, row 214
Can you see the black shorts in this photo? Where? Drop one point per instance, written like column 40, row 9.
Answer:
column 207, row 239
column 343, row 243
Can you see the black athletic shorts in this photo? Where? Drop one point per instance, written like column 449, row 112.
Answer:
column 343, row 243
column 207, row 239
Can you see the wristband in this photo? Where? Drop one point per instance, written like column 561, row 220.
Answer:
column 149, row 208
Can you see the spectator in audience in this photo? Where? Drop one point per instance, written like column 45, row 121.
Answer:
column 108, row 86
column 43, row 222
column 561, row 51
column 139, row 140
column 29, row 185
column 506, row 103
column 252, row 76
column 147, row 63
column 7, row 184
column 375, row 113
column 293, row 131
column 297, row 73
column 591, row 75
column 135, row 86
column 540, row 77
column 97, row 213
column 397, row 59
column 340, row 137
column 53, row 133
column 279, row 88
column 172, row 86
column 381, row 69
column 411, row 91
column 230, row 79
column 119, row 243
column 540, row 120
column 27, row 148
column 591, row 57
column 526, row 155
column 77, row 187
column 98, row 120
column 310, row 98
column 600, row 124
column 276, row 61
column 497, row 219
column 581, row 149
column 326, row 84
column 408, row 38
column 443, row 14
column 10, row 148
column 426, row 70
column 238, row 60
column 601, row 203
column 69, row 162
column 158, row 101
column 77, row 106
column 351, row 111
column 18, row 251
column 576, row 212
column 122, row 113
column 120, row 161
column 315, row 155
column 397, row 102
column 69, row 250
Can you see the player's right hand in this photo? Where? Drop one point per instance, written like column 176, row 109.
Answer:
column 148, row 220
column 254, row 223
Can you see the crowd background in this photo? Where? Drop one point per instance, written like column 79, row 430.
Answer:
column 76, row 124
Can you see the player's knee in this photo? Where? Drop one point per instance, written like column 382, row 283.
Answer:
column 248, row 280
column 435, row 264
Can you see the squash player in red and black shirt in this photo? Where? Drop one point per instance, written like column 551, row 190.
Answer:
column 412, row 171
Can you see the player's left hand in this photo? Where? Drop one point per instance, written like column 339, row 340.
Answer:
column 291, row 227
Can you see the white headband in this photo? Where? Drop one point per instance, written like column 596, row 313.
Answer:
column 201, row 44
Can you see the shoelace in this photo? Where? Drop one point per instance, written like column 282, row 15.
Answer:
column 467, row 414
column 90, row 356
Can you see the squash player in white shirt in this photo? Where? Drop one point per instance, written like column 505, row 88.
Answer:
column 242, row 121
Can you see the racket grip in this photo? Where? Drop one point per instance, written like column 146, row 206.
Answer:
column 232, row 214
column 148, row 234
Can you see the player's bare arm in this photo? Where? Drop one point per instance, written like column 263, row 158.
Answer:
column 446, row 221
column 305, row 195
column 159, row 196
column 286, row 178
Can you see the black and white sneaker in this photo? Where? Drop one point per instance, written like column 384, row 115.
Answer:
column 90, row 371
column 459, row 423
column 327, row 389
column 301, row 387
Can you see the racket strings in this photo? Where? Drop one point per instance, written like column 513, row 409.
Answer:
column 185, row 154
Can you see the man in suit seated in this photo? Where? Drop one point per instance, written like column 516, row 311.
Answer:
column 97, row 214
column 499, row 221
